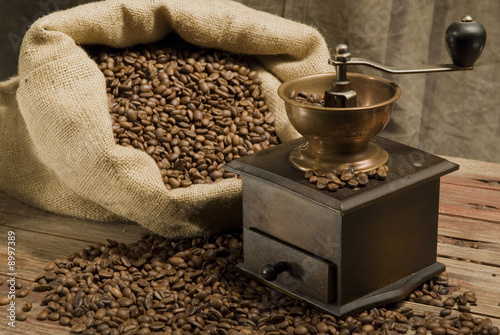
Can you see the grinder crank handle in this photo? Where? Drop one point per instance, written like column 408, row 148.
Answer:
column 465, row 41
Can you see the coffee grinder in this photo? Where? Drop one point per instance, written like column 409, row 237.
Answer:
column 348, row 250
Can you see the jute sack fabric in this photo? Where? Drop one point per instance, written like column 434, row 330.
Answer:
column 56, row 141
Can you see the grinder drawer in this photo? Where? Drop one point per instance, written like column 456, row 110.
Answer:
column 305, row 274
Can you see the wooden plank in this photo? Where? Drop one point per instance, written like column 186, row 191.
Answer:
column 478, row 271
column 465, row 243
column 457, row 179
column 484, row 256
column 476, row 169
column 469, row 229
column 17, row 215
column 471, row 195
column 469, row 211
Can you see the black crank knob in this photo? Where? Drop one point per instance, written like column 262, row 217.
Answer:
column 465, row 41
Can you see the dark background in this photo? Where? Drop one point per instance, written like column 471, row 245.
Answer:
column 452, row 114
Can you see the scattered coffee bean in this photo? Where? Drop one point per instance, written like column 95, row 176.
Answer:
column 65, row 321
column 54, row 316
column 27, row 307
column 470, row 296
column 21, row 316
column 445, row 312
column 41, row 288
column 22, row 292
column 381, row 173
column 449, row 302
column 42, row 316
column 4, row 300
column 462, row 308
column 333, row 180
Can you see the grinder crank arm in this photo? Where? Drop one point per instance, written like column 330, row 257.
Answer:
column 465, row 41
column 409, row 70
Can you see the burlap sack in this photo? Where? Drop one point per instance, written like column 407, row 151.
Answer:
column 56, row 142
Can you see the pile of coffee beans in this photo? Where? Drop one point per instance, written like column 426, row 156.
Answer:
column 333, row 180
column 192, row 286
column 191, row 109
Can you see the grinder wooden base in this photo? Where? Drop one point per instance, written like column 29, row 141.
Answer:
column 341, row 251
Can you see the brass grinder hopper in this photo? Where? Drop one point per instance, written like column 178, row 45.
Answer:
column 348, row 250
column 339, row 137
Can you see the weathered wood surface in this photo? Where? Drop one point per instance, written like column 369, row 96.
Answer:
column 469, row 229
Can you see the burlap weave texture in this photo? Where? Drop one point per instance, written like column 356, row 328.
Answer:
column 56, row 142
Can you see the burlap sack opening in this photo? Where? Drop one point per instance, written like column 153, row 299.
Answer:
column 57, row 147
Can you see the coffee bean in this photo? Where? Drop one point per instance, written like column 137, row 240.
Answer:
column 54, row 316
column 438, row 331
column 176, row 261
column 433, row 324
column 421, row 331
column 278, row 318
column 467, row 323
column 381, row 174
column 352, row 183
column 366, row 319
column 449, row 302
column 41, row 288
column 462, row 308
column 470, row 296
column 368, row 328
column 465, row 330
column 22, row 292
column 78, row 328
column 494, row 330
column 116, row 292
column 436, row 302
column 21, row 316
column 157, row 326
column 4, row 300
column 42, row 316
column 345, row 176
column 445, row 312
column 27, row 307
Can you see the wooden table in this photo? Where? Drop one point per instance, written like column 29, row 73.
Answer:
column 469, row 242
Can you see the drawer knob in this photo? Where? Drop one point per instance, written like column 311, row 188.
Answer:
column 271, row 272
